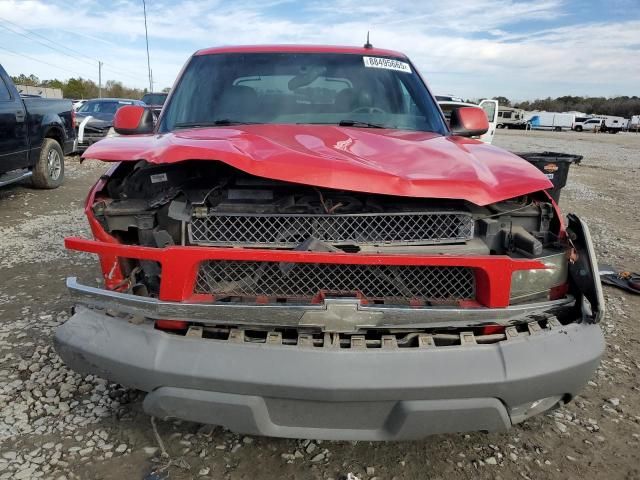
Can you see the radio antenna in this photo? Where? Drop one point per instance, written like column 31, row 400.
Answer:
column 368, row 44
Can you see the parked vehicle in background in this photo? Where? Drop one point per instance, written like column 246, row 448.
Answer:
column 550, row 121
column 614, row 125
column 509, row 117
column 95, row 118
column 579, row 121
column 155, row 101
column 588, row 125
column 78, row 103
column 634, row 123
column 35, row 135
column 490, row 107
column 301, row 247
column 448, row 98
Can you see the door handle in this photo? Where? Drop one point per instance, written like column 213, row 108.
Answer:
column 20, row 115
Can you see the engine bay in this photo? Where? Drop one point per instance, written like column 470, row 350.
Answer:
column 156, row 205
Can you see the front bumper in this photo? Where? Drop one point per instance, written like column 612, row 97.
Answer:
column 334, row 393
column 347, row 314
column 88, row 140
column 331, row 389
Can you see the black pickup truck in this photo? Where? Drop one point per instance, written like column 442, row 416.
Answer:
column 35, row 135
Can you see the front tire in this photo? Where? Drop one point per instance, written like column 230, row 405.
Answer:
column 579, row 128
column 49, row 170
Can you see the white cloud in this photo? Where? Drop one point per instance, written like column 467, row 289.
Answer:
column 469, row 49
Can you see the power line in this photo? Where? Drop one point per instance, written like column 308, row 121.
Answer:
column 119, row 72
column 40, row 61
column 79, row 57
column 31, row 32
column 42, row 43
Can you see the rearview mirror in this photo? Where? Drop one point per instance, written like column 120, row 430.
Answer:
column 468, row 122
column 133, row 120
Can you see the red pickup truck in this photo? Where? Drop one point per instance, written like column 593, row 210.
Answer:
column 303, row 246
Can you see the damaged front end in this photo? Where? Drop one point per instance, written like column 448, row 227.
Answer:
column 255, row 242
column 201, row 251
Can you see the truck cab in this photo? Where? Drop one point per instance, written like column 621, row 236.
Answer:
column 589, row 125
column 14, row 141
column 35, row 135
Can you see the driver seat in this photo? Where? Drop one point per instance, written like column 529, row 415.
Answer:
column 344, row 101
column 348, row 100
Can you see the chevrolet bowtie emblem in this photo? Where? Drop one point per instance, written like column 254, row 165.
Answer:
column 341, row 315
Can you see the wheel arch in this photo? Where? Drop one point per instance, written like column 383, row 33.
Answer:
column 55, row 132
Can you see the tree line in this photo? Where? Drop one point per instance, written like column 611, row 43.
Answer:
column 622, row 106
column 79, row 88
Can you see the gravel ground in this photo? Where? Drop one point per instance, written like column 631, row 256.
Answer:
column 59, row 425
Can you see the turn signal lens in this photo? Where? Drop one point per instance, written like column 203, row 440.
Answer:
column 558, row 292
column 171, row 325
column 492, row 329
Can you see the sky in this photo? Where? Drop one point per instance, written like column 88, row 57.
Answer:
column 469, row 48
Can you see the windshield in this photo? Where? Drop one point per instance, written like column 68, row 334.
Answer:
column 109, row 107
column 154, row 98
column 301, row 88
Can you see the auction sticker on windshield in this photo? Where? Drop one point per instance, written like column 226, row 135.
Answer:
column 386, row 63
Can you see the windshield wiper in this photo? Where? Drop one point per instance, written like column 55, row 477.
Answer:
column 357, row 123
column 215, row 123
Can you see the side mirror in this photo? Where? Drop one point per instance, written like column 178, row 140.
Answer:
column 468, row 121
column 133, row 120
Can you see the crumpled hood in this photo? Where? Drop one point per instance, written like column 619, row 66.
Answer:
column 392, row 162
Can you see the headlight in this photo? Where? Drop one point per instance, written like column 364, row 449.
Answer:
column 529, row 284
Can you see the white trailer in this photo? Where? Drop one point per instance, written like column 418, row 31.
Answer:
column 614, row 124
column 509, row 117
column 550, row 121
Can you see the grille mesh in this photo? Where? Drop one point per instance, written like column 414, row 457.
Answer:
column 283, row 230
column 304, row 280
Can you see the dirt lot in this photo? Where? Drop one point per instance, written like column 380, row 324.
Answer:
column 56, row 424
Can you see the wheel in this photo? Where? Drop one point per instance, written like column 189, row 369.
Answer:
column 579, row 128
column 48, row 172
column 557, row 129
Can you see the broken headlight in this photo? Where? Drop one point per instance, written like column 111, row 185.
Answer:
column 543, row 283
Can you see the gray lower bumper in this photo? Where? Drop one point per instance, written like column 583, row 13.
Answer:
column 289, row 391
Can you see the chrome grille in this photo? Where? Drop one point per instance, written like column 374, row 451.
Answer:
column 227, row 278
column 284, row 230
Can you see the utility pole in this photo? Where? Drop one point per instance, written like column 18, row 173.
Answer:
column 146, row 36
column 100, row 79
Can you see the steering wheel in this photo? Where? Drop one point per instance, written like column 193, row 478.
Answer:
column 368, row 110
